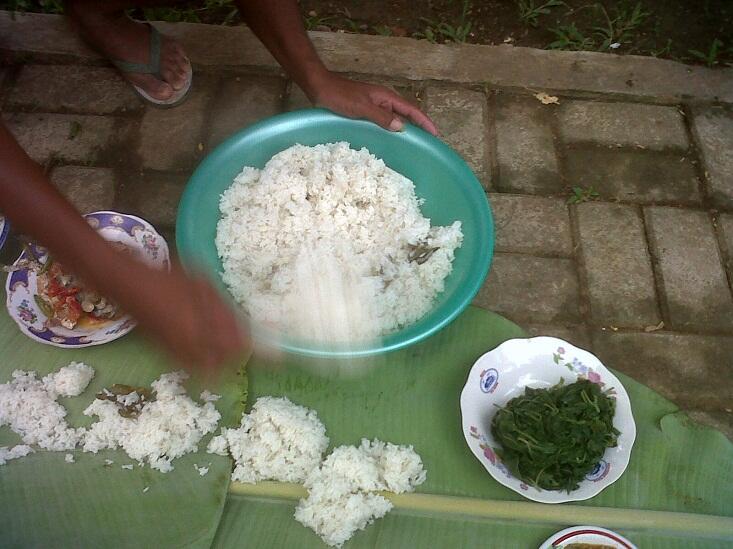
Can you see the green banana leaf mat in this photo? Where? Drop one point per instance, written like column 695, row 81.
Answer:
column 676, row 492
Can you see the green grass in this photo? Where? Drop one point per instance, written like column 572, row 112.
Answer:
column 446, row 32
column 712, row 56
column 313, row 21
column 580, row 195
column 529, row 11
column 608, row 32
column 569, row 37
column 621, row 27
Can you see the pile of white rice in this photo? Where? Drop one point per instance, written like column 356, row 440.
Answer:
column 277, row 440
column 324, row 243
column 166, row 428
column 283, row 441
column 28, row 406
column 342, row 496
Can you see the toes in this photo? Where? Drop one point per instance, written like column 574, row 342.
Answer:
column 174, row 76
column 153, row 87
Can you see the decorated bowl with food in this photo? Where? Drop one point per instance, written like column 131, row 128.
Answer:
column 547, row 419
column 53, row 306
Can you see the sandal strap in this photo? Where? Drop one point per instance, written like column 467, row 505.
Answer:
column 153, row 66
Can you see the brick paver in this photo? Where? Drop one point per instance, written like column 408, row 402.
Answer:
column 687, row 252
column 617, row 265
column 531, row 289
column 567, row 271
column 88, row 189
column 626, row 124
column 69, row 137
column 460, row 115
column 725, row 226
column 634, row 175
column 152, row 196
column 714, row 131
column 577, row 335
column 170, row 138
column 692, row 370
column 242, row 100
column 72, row 88
column 525, row 147
column 531, row 224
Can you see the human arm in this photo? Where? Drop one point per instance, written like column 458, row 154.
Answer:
column 203, row 331
column 278, row 24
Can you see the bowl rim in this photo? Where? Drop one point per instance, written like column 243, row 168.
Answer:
column 623, row 403
column 186, row 222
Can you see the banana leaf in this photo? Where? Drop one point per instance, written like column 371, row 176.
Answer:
column 676, row 491
column 45, row 502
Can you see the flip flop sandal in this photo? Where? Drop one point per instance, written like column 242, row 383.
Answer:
column 153, row 67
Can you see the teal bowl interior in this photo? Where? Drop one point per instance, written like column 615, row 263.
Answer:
column 449, row 189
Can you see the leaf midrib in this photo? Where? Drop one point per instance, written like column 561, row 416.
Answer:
column 688, row 524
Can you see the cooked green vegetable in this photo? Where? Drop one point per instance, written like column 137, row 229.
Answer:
column 552, row 438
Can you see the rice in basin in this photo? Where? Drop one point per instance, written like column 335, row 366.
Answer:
column 329, row 244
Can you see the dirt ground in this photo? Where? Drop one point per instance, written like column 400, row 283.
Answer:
column 692, row 31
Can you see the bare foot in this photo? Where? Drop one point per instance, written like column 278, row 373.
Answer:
column 118, row 37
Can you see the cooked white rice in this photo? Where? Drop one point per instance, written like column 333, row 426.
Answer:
column 28, row 406
column 168, row 427
column 277, row 440
column 322, row 243
column 341, row 498
column 17, row 451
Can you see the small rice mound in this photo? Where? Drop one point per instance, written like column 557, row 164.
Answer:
column 28, row 406
column 323, row 243
column 70, row 380
column 17, row 451
column 277, row 440
column 341, row 498
column 167, row 428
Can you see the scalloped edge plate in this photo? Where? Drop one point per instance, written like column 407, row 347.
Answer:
column 503, row 373
column 20, row 286
column 587, row 534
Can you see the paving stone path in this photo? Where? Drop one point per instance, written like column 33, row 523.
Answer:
column 641, row 275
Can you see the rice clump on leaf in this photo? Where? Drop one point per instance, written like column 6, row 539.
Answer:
column 341, row 493
column 159, row 431
column 277, row 440
column 28, row 405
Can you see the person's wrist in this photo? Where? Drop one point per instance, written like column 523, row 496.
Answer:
column 317, row 82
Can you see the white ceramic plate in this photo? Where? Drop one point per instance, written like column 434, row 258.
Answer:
column 587, row 534
column 138, row 235
column 540, row 362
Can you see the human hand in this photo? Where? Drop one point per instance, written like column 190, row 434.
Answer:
column 360, row 100
column 188, row 317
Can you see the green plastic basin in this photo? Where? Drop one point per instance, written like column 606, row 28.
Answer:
column 449, row 188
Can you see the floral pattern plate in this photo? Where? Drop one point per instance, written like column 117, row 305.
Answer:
column 4, row 230
column 502, row 374
column 591, row 535
column 138, row 235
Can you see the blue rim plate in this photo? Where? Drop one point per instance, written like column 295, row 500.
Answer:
column 540, row 362
column 21, row 288
column 442, row 179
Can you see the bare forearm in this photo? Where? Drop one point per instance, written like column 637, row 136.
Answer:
column 36, row 208
column 278, row 24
